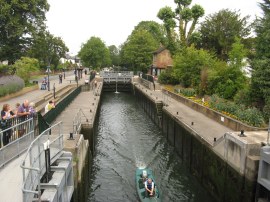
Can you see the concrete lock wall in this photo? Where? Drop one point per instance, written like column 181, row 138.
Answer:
column 221, row 177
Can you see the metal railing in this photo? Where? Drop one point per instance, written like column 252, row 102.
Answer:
column 53, row 113
column 122, row 76
column 77, row 121
column 19, row 137
column 34, row 164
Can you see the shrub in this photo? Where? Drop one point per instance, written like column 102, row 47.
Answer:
column 251, row 116
column 167, row 77
column 10, row 84
column 188, row 92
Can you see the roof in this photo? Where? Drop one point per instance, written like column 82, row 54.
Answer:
column 162, row 48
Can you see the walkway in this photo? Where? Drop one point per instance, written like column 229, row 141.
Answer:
column 11, row 174
column 33, row 95
column 206, row 127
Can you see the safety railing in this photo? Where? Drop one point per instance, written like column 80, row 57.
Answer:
column 116, row 76
column 77, row 121
column 15, row 140
column 34, row 163
column 53, row 113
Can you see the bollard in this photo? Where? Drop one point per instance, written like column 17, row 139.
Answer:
column 70, row 136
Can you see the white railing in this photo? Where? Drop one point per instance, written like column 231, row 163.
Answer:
column 34, row 164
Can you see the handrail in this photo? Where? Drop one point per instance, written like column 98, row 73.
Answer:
column 77, row 121
column 20, row 136
column 33, row 164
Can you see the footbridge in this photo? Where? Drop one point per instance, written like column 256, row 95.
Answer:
column 117, row 81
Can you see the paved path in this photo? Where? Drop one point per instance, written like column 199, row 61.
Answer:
column 207, row 128
column 11, row 174
column 33, row 95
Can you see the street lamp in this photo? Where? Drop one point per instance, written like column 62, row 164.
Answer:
column 48, row 72
column 76, row 72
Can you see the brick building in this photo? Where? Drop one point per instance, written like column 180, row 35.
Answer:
column 161, row 60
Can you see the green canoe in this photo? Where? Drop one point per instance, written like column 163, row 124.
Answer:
column 140, row 185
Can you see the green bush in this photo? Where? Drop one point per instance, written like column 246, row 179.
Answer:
column 188, row 92
column 167, row 77
column 10, row 84
column 251, row 116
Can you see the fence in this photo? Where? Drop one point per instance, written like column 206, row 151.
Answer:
column 77, row 121
column 21, row 136
column 148, row 77
column 34, row 164
column 49, row 117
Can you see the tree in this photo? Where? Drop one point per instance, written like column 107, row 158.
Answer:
column 115, row 55
column 95, row 53
column 189, row 64
column 260, row 81
column 47, row 48
column 229, row 79
column 25, row 66
column 156, row 30
column 18, row 21
column 219, row 30
column 137, row 52
column 180, row 18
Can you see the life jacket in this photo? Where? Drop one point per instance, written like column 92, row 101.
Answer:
column 149, row 185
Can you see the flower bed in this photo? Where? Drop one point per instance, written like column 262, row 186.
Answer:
column 225, row 118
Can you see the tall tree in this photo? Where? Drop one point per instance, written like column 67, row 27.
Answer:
column 95, row 53
column 219, row 30
column 180, row 18
column 47, row 48
column 260, row 81
column 156, row 30
column 137, row 52
column 18, row 21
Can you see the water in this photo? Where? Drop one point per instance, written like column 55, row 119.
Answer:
column 127, row 139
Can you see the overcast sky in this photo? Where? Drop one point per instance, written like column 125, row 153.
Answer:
column 76, row 21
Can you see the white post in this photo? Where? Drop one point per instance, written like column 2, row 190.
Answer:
column 268, row 133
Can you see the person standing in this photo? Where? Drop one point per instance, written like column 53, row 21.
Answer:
column 60, row 78
column 6, row 116
column 23, row 113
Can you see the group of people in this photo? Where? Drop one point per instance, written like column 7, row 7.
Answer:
column 21, row 111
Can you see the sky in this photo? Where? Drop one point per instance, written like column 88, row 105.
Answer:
column 76, row 21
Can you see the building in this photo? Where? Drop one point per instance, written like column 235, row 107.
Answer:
column 161, row 61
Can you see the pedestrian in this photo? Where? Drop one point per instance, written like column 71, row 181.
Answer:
column 32, row 109
column 95, row 83
column 23, row 110
column 6, row 122
column 49, row 106
column 60, row 78
column 85, row 72
column 23, row 113
column 43, row 84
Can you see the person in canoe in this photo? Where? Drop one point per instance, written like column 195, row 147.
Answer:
column 149, row 187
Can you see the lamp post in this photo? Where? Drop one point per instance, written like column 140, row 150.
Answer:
column 48, row 72
column 76, row 72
